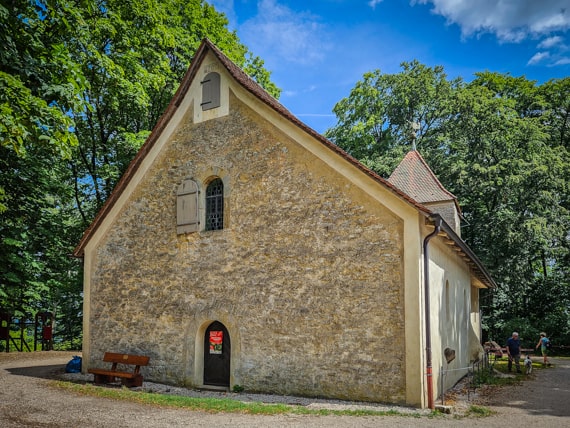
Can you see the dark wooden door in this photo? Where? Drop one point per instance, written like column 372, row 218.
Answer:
column 217, row 354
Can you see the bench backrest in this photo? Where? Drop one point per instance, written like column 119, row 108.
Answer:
column 137, row 360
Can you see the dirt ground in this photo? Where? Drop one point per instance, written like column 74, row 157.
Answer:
column 27, row 400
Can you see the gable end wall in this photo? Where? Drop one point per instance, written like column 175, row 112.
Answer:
column 307, row 275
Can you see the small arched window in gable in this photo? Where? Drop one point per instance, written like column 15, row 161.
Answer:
column 215, row 205
column 187, row 219
column 210, row 91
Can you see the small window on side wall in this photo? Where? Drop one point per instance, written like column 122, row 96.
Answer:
column 210, row 91
column 215, row 205
column 187, row 218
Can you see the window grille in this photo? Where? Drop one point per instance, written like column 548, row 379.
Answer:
column 215, row 205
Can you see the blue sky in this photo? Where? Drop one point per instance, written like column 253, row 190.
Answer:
column 318, row 49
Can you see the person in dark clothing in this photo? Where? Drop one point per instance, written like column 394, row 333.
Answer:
column 514, row 352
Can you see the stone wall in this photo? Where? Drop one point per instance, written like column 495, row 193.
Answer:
column 307, row 275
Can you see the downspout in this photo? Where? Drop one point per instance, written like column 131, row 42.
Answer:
column 427, row 313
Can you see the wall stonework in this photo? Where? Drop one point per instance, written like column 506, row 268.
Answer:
column 307, row 274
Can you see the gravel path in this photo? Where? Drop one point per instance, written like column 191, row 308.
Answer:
column 27, row 400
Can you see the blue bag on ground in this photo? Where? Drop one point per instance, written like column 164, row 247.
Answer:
column 74, row 366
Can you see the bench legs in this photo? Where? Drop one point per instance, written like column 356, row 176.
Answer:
column 131, row 383
column 100, row 379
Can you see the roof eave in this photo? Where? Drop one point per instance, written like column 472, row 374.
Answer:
column 464, row 251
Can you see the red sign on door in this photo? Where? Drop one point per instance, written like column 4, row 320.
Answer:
column 216, row 339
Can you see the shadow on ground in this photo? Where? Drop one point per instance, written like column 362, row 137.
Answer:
column 43, row 372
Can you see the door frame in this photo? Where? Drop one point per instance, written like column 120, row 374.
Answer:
column 199, row 330
column 220, row 360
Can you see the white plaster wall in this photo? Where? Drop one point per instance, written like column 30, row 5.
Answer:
column 451, row 320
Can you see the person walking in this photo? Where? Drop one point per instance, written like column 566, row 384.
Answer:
column 543, row 343
column 514, row 352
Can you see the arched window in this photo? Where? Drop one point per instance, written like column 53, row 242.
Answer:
column 215, row 205
column 210, row 91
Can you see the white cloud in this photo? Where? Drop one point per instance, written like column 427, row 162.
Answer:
column 509, row 20
column 373, row 3
column 538, row 57
column 278, row 31
column 563, row 61
column 550, row 42
column 553, row 53
column 288, row 93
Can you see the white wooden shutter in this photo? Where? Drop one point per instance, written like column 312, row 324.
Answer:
column 187, row 207
column 210, row 91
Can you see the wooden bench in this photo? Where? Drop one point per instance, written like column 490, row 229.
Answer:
column 129, row 379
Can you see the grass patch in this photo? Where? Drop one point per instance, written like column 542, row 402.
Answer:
column 214, row 405
column 499, row 376
column 479, row 411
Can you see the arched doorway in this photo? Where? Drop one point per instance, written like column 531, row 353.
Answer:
column 217, row 355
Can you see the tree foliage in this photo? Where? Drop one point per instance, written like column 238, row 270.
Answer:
column 38, row 83
column 380, row 119
column 133, row 56
column 37, row 231
column 500, row 144
column 82, row 83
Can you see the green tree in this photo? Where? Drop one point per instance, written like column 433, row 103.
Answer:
column 39, row 87
column 509, row 180
column 39, row 84
column 499, row 144
column 37, row 232
column 384, row 113
column 134, row 57
column 556, row 96
column 82, row 83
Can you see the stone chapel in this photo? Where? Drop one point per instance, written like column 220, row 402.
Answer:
column 241, row 247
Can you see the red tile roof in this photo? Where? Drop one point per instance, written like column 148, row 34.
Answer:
column 415, row 177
